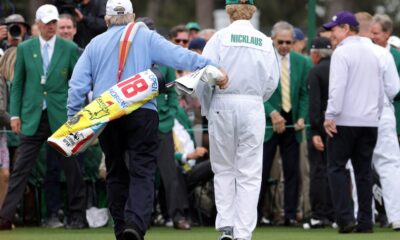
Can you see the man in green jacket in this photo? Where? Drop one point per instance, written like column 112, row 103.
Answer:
column 38, row 108
column 286, row 112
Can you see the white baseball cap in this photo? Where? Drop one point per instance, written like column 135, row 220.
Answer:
column 47, row 13
column 118, row 7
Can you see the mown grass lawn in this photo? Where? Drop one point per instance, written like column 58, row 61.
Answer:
column 197, row 233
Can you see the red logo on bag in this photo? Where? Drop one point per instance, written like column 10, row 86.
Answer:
column 133, row 86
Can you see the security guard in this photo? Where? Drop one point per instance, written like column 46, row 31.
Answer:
column 237, row 119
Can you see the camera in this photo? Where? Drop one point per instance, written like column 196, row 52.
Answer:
column 14, row 30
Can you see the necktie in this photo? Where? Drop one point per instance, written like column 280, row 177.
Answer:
column 285, row 85
column 45, row 58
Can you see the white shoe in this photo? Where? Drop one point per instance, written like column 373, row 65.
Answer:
column 226, row 233
column 396, row 226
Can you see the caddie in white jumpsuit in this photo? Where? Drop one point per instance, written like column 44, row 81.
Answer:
column 386, row 156
column 237, row 119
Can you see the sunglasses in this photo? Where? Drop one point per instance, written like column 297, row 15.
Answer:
column 281, row 42
column 184, row 41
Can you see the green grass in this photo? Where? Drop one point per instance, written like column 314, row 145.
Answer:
column 198, row 233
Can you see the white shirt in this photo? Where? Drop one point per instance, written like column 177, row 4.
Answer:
column 248, row 57
column 184, row 138
column 51, row 42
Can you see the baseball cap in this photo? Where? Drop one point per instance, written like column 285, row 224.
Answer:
column 229, row 2
column 298, row 34
column 118, row 7
column 193, row 25
column 321, row 43
column 342, row 17
column 47, row 13
column 197, row 43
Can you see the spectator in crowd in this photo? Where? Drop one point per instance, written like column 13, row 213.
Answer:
column 318, row 82
column 66, row 29
column 89, row 16
column 194, row 29
column 381, row 29
column 386, row 156
column 286, row 111
column 6, row 74
column 43, row 66
column 35, row 30
column 236, row 130
column 207, row 33
column 300, row 41
column 179, row 35
column 17, row 31
column 130, row 143
column 197, row 45
column 195, row 168
column 351, row 120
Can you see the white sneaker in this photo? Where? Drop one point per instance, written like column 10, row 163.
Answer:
column 265, row 221
column 396, row 226
column 226, row 233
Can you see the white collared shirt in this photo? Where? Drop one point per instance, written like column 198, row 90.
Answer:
column 51, row 42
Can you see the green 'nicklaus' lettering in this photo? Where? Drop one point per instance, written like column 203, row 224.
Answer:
column 238, row 38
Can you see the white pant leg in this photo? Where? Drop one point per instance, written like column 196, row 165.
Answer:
column 222, row 155
column 386, row 160
column 236, row 129
column 249, row 160
column 349, row 166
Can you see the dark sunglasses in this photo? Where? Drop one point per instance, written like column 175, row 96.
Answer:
column 184, row 41
column 281, row 42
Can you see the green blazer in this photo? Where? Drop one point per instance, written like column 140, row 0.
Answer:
column 27, row 93
column 299, row 68
column 396, row 55
column 167, row 103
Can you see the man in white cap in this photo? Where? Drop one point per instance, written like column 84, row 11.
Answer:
column 237, row 119
column 37, row 108
column 129, row 143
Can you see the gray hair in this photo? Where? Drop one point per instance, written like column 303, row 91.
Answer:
column 282, row 26
column 385, row 22
column 322, row 52
column 207, row 31
column 119, row 20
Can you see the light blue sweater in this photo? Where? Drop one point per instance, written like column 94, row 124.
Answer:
column 98, row 65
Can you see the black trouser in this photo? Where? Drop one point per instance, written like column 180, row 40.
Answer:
column 175, row 192
column 289, row 150
column 357, row 144
column 320, row 195
column 52, row 184
column 28, row 152
column 130, row 146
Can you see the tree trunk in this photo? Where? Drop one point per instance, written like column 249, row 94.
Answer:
column 204, row 13
column 154, row 9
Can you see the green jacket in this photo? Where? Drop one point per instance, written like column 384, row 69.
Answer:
column 396, row 55
column 167, row 103
column 27, row 94
column 299, row 68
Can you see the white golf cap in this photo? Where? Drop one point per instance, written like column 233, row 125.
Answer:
column 118, row 7
column 47, row 13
